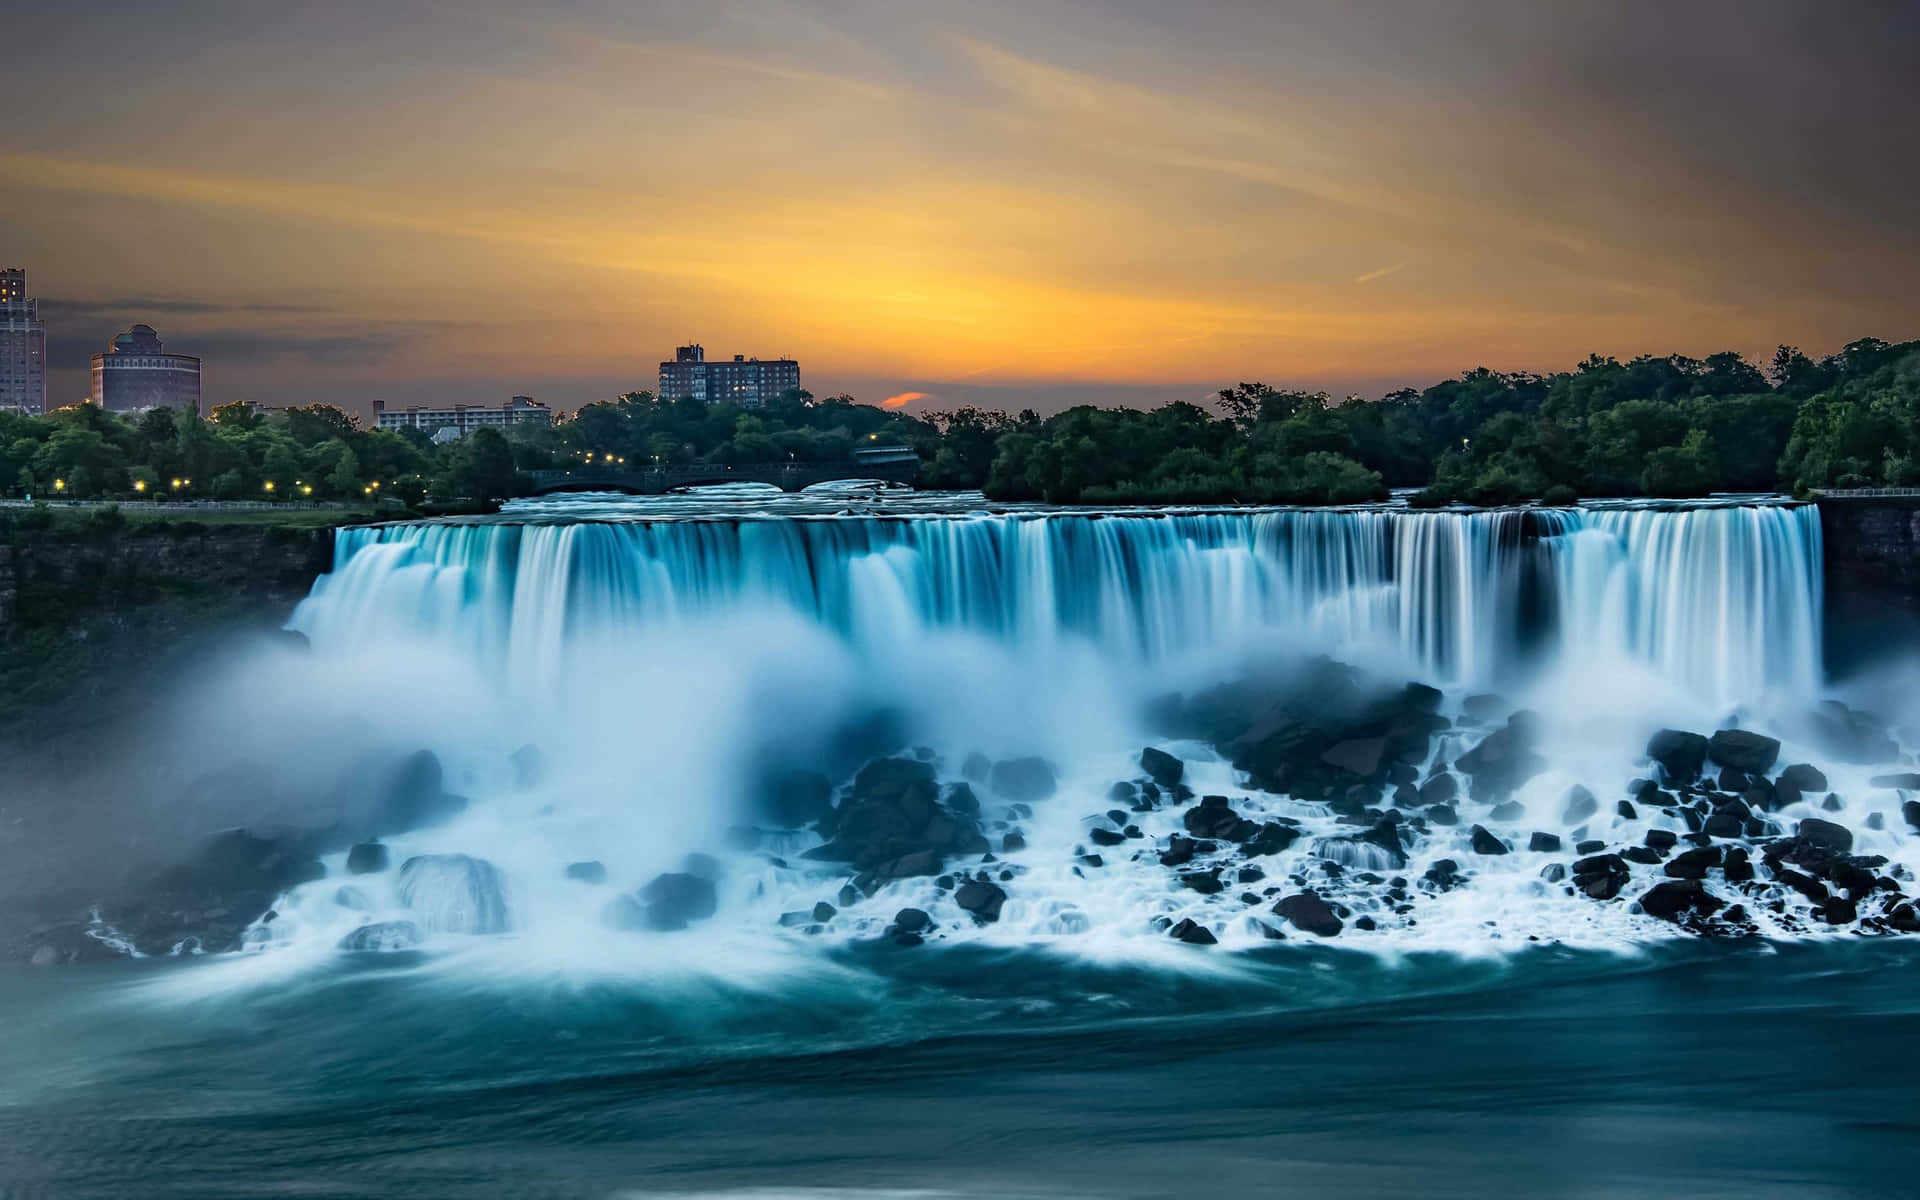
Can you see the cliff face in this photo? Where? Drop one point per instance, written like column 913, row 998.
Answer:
column 1872, row 561
column 80, row 616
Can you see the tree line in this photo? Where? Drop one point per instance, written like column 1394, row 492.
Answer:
column 1671, row 426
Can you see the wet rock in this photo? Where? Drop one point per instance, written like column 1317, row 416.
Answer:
column 1207, row 883
column 1553, row 872
column 384, row 937
column 1806, row 885
column 1443, row 814
column 1444, row 874
column 912, row 920
column 1485, row 843
column 367, row 858
column 1601, row 876
column 1271, row 837
column 1025, row 780
column 1161, row 767
column 1743, row 750
column 792, row 798
column 589, row 871
column 824, row 912
column 1737, row 866
column 414, row 796
column 1835, row 839
column 893, row 821
column 675, row 900
column 917, row 864
column 1674, row 897
column 1910, row 813
column 1101, row 836
column 1179, row 851
column 1440, row 789
column 1661, row 839
column 1589, row 846
column 1578, row 805
column 1544, row 843
column 1307, row 912
column 1796, row 781
column 208, row 901
column 1644, row 855
column 1839, row 910
column 961, row 800
column 1504, row 760
column 1679, row 753
column 1483, row 709
column 1906, row 781
column 1849, row 736
column 1192, row 932
column 1734, row 780
column 1356, row 756
column 1012, row 842
column 1694, row 864
column 977, row 767
column 1212, row 818
column 1508, row 812
column 980, row 898
column 454, row 893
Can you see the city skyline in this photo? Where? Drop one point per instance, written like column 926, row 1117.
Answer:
column 1009, row 206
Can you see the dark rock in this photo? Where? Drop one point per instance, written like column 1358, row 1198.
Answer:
column 1670, row 899
column 1444, row 874
column 1680, row 754
column 1644, row 855
column 1483, row 709
column 1544, row 843
column 674, row 900
column 1589, row 846
column 590, row 871
column 1307, row 912
column 1553, row 872
column 912, row 920
column 1440, row 789
column 1179, row 851
column 962, row 801
column 1601, row 876
column 1356, row 756
column 909, row 866
column 1443, row 814
column 1694, row 864
column 1806, row 885
column 1207, row 883
column 1023, row 779
column 1835, row 839
column 792, row 798
column 413, row 796
column 1839, row 910
column 384, row 937
column 824, row 912
column 1800, row 778
column 1250, row 874
column 1830, row 804
column 1486, row 843
column 1212, row 818
column 1910, row 813
column 1906, row 781
column 1732, row 779
column 977, row 767
column 1508, row 811
column 1504, row 759
column 1578, row 805
column 1737, row 865
column 980, row 898
column 1012, row 842
column 1272, row 837
column 1726, row 822
column 454, row 893
column 1661, row 839
column 367, row 858
column 1105, row 837
column 1742, row 750
column 1088, row 860
column 1192, row 932
column 1161, row 767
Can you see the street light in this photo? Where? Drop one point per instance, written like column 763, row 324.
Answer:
column 269, row 486
column 140, row 485
column 59, row 485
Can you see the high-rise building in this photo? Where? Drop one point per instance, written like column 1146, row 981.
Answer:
column 136, row 374
column 745, row 382
column 23, row 346
column 462, row 418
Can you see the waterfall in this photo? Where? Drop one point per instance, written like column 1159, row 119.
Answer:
column 1722, row 601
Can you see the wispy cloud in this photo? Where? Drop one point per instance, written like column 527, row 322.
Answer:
column 1382, row 273
column 903, row 399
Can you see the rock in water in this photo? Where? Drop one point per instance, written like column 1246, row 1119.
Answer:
column 1601, row 876
column 1161, row 767
column 590, row 871
column 1192, row 933
column 980, row 898
column 1676, row 896
column 1753, row 753
column 1835, row 839
column 384, row 937
column 1679, row 753
column 414, row 797
column 1023, row 779
column 912, row 920
column 677, row 899
column 1306, row 911
column 367, row 858
column 1485, row 843
column 1579, row 805
column 455, row 893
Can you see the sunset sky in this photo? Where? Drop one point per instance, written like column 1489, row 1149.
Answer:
column 1013, row 204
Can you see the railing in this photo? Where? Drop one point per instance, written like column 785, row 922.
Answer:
column 1861, row 493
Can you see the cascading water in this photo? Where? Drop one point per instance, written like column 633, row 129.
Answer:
column 666, row 668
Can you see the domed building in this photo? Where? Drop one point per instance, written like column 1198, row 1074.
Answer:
column 136, row 374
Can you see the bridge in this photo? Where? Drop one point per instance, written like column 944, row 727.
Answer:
column 889, row 464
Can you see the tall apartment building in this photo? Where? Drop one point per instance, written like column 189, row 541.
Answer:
column 136, row 374
column 746, row 382
column 464, row 418
column 23, row 346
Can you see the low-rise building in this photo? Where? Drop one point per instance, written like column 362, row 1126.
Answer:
column 463, row 418
column 744, row 382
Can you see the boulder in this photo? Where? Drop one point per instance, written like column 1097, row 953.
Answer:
column 1161, row 767
column 1442, row 788
column 1307, row 912
column 207, row 902
column 454, row 893
column 590, row 871
column 367, row 858
column 676, row 899
column 1023, row 779
column 1485, row 843
column 1179, row 851
column 1601, row 876
column 384, row 937
column 1742, row 750
column 1694, row 864
column 414, row 796
column 1679, row 753
column 1356, row 756
column 1544, row 843
column 1906, row 781
column 1578, row 805
column 1504, row 759
column 980, row 898
column 793, row 798
column 1674, row 897
column 912, row 920
column 1192, row 932
column 1835, row 839
column 1207, row 883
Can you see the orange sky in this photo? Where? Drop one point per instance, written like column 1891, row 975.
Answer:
column 997, row 203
